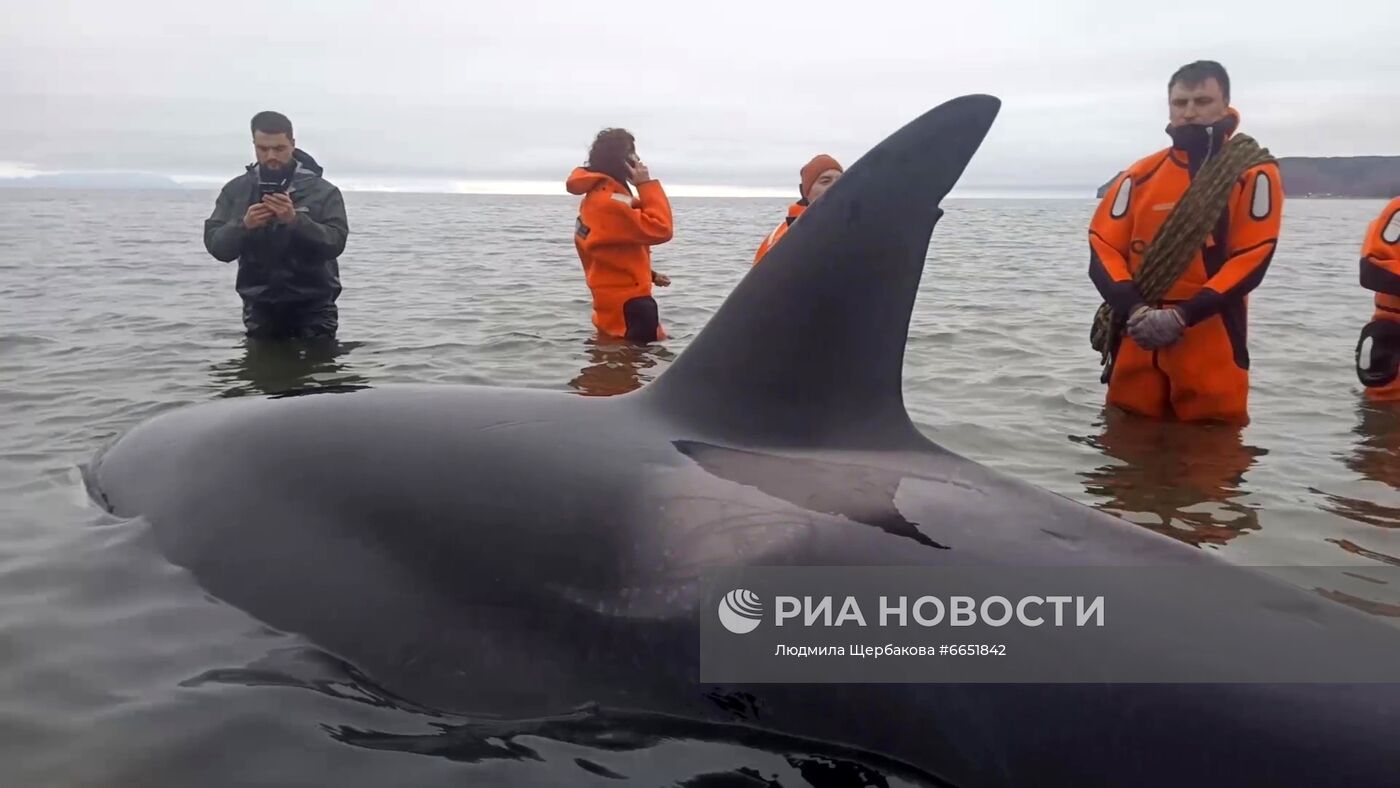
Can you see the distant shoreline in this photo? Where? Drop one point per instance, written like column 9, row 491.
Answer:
column 679, row 194
column 1307, row 178
column 142, row 182
column 149, row 182
column 350, row 185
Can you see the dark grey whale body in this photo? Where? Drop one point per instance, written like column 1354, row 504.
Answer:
column 518, row 554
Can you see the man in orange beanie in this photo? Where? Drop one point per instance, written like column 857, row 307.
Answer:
column 817, row 176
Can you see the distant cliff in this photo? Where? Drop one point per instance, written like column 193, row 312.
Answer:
column 1352, row 176
column 1344, row 176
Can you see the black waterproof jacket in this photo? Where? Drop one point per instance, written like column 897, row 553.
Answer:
column 282, row 264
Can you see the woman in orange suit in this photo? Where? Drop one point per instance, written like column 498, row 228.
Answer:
column 1378, row 351
column 614, row 233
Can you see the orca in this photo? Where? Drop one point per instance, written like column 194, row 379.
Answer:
column 521, row 554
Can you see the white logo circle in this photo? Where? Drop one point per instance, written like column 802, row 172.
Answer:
column 740, row 611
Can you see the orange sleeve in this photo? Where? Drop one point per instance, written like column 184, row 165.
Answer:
column 1380, row 255
column 619, row 222
column 1109, row 234
column 1256, row 215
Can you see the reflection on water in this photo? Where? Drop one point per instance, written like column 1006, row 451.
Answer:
column 1356, row 549
column 1375, row 457
column 608, row 731
column 1166, row 470
column 288, row 367
column 616, row 366
column 312, row 669
column 599, row 732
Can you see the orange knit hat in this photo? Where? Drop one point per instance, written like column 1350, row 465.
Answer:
column 813, row 170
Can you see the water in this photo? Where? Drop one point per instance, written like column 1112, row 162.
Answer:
column 116, row 669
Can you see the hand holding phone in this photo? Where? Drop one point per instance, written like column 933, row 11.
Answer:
column 281, row 206
column 637, row 171
column 256, row 216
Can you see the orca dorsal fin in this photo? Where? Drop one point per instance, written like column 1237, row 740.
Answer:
column 809, row 348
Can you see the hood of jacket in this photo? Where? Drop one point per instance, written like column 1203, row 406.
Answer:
column 1200, row 141
column 583, row 180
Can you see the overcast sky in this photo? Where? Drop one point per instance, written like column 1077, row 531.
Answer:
column 733, row 93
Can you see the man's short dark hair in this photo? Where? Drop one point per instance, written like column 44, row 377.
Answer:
column 1193, row 74
column 269, row 122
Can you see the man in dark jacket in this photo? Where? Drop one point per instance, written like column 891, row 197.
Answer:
column 286, row 226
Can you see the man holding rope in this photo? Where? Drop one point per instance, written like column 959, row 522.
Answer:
column 1177, row 244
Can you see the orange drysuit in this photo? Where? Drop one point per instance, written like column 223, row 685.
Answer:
column 1203, row 376
column 795, row 210
column 613, row 234
column 1380, row 273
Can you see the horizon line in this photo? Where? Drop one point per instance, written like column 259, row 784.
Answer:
column 13, row 177
column 15, row 174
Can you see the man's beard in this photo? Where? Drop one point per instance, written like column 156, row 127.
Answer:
column 272, row 173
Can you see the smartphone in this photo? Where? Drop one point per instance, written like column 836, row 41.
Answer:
column 270, row 187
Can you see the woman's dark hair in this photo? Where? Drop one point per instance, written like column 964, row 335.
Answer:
column 609, row 153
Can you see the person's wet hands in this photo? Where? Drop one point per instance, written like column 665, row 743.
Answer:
column 1156, row 328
